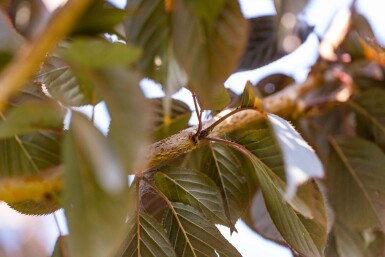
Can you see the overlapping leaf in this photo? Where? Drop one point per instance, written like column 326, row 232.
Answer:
column 168, row 124
column 357, row 244
column 208, row 46
column 194, row 188
column 39, row 149
column 100, row 17
column 147, row 26
column 369, row 107
column 64, row 85
column 30, row 141
column 356, row 182
column 192, row 235
column 222, row 166
column 305, row 236
column 150, row 241
column 85, row 200
column 129, row 112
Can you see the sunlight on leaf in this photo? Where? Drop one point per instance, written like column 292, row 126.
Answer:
column 301, row 162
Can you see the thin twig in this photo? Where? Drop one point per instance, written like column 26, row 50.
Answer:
column 198, row 112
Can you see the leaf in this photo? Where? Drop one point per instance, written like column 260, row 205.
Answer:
column 147, row 26
column 168, row 124
column 152, row 242
column 85, row 201
column 208, row 48
column 258, row 218
column 355, row 244
column 306, row 236
column 194, row 188
column 249, row 99
column 32, row 117
column 129, row 129
column 35, row 195
column 262, row 47
column 356, row 180
column 297, row 170
column 369, row 108
column 31, row 153
column 65, row 84
column 96, row 54
column 263, row 145
column 222, row 166
column 192, row 235
column 100, row 17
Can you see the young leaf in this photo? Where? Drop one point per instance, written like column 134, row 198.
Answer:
column 356, row 182
column 193, row 188
column 208, row 46
column 297, row 170
column 192, row 235
column 222, row 166
column 150, row 241
column 249, row 99
column 85, row 201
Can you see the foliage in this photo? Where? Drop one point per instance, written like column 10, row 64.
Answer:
column 246, row 162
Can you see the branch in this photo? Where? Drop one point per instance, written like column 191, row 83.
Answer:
column 32, row 54
column 285, row 101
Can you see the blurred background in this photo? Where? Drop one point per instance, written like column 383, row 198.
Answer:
column 35, row 236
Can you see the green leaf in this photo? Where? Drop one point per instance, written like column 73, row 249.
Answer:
column 33, row 152
column 222, row 166
column 150, row 241
column 85, row 201
column 96, row 54
column 356, row 182
column 147, row 26
column 32, row 117
column 357, row 244
column 169, row 124
column 262, row 143
column 258, row 218
column 306, row 236
column 262, row 46
column 208, row 51
column 297, row 170
column 194, row 188
column 65, row 84
column 249, row 99
column 192, row 235
column 129, row 129
column 369, row 108
column 100, row 17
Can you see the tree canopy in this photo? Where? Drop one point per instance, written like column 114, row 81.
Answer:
column 302, row 164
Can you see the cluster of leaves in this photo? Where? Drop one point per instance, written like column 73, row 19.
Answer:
column 264, row 173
